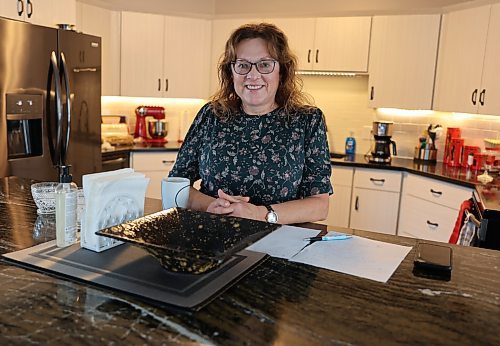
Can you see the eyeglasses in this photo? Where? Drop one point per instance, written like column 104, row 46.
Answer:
column 242, row 67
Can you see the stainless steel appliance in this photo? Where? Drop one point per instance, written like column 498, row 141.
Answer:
column 381, row 148
column 50, row 101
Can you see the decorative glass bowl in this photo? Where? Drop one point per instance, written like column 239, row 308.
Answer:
column 44, row 197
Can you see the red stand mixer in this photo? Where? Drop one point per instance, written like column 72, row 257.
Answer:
column 156, row 129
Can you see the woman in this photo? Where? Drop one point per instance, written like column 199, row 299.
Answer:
column 259, row 148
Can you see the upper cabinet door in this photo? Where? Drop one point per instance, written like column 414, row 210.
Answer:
column 187, row 57
column 403, row 54
column 489, row 100
column 142, row 40
column 460, row 62
column 342, row 44
column 41, row 12
column 300, row 33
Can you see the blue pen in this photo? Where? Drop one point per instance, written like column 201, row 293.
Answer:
column 330, row 237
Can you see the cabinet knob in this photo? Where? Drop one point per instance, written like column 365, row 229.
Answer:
column 481, row 97
column 166, row 84
column 372, row 93
column 373, row 180
column 309, row 56
column 29, row 8
column 317, row 55
column 159, row 84
column 165, row 162
column 474, row 97
column 433, row 224
column 434, row 192
column 356, row 205
column 20, row 7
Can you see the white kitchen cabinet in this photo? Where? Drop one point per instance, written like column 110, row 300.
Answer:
column 164, row 56
column 403, row 53
column 328, row 44
column 429, row 208
column 375, row 200
column 105, row 24
column 467, row 74
column 221, row 30
column 40, row 12
column 340, row 201
column 155, row 166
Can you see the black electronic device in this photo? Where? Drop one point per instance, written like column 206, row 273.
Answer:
column 433, row 261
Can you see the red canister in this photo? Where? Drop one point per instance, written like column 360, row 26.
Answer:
column 451, row 132
column 456, row 152
column 470, row 150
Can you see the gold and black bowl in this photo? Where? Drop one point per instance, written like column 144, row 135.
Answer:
column 187, row 241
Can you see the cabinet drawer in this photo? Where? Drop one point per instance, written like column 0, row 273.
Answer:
column 377, row 179
column 342, row 176
column 425, row 220
column 163, row 161
column 442, row 193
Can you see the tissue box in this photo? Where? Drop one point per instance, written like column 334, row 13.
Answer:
column 111, row 198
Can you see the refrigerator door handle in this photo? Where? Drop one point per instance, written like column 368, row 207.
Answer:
column 65, row 139
column 54, row 148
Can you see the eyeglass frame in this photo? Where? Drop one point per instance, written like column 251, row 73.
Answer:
column 252, row 64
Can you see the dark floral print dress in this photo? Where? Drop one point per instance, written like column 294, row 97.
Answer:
column 271, row 158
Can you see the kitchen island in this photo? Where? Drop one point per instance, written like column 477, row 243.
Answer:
column 278, row 302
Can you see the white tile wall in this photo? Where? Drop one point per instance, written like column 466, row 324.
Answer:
column 344, row 101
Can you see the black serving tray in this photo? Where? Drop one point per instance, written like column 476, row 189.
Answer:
column 188, row 241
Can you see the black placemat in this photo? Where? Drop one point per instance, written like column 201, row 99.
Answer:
column 132, row 270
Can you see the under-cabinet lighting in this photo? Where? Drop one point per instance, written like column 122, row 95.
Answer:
column 150, row 100
column 327, row 73
column 405, row 112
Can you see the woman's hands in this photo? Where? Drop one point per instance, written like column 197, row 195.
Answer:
column 235, row 206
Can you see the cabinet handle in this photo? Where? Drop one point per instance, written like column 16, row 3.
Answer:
column 432, row 224
column 439, row 193
column 166, row 84
column 474, row 97
column 373, row 180
column 309, row 56
column 167, row 161
column 159, row 84
column 356, row 205
column 29, row 8
column 317, row 55
column 372, row 93
column 20, row 9
column 481, row 97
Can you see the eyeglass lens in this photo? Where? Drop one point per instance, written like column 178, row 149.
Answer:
column 262, row 66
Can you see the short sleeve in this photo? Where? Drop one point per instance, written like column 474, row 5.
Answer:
column 317, row 169
column 188, row 159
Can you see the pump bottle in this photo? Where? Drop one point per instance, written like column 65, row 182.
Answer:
column 66, row 206
column 350, row 145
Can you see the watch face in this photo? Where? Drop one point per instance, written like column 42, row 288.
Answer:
column 272, row 217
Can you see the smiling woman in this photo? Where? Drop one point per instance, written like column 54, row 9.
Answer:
column 259, row 147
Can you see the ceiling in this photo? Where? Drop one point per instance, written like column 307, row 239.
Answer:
column 279, row 8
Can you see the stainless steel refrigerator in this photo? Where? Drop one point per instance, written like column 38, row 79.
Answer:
column 50, row 101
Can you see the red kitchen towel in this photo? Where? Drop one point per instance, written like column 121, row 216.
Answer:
column 466, row 205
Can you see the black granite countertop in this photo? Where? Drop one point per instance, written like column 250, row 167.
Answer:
column 279, row 302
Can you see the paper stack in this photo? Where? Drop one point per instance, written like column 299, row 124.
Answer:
column 111, row 198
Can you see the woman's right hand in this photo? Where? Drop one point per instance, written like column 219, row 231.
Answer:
column 223, row 204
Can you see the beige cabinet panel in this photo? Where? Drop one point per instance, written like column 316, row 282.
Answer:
column 342, row 44
column 340, row 202
column 465, row 41
column 403, row 54
column 104, row 23
column 142, row 39
column 155, row 166
column 40, row 12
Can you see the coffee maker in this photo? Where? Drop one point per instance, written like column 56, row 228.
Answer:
column 380, row 152
column 156, row 129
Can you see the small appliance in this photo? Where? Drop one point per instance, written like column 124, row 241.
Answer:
column 381, row 153
column 156, row 130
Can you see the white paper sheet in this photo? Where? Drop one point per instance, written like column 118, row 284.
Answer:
column 356, row 256
column 366, row 258
column 285, row 242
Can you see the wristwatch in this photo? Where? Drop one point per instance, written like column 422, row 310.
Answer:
column 271, row 216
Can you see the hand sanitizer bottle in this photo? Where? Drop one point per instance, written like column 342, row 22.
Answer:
column 66, row 205
column 350, row 145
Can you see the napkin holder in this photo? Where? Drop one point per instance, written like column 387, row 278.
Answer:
column 111, row 198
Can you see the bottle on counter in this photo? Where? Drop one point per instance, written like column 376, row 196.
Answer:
column 66, row 209
column 350, row 145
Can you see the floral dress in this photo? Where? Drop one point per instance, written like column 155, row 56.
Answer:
column 271, row 158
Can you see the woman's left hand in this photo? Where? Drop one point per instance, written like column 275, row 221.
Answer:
column 241, row 206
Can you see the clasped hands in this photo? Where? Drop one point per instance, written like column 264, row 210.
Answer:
column 235, row 206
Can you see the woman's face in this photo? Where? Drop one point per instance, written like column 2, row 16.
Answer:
column 257, row 91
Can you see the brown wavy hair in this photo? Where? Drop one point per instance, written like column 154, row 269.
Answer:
column 289, row 94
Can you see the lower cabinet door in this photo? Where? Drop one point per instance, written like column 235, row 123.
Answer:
column 373, row 210
column 338, row 209
column 426, row 220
